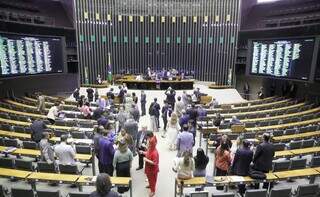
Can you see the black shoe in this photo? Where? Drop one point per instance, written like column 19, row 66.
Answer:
column 138, row 168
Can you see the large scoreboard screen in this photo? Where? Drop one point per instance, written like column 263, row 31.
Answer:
column 30, row 55
column 289, row 58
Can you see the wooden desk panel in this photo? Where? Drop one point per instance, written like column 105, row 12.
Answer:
column 5, row 172
column 37, row 153
column 114, row 180
column 296, row 136
column 296, row 173
column 12, row 134
column 67, row 178
column 303, row 151
column 284, row 153
column 193, row 181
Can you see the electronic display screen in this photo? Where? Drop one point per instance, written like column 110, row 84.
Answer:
column 289, row 58
column 30, row 55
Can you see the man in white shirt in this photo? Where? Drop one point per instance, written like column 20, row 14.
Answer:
column 65, row 153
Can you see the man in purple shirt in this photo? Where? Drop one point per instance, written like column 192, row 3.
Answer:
column 184, row 119
column 106, row 153
column 184, row 141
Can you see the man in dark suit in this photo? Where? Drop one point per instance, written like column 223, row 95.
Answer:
column 37, row 128
column 193, row 114
column 262, row 159
column 141, row 145
column 143, row 101
column 241, row 163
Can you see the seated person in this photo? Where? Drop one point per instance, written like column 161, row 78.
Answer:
column 235, row 121
column 213, row 104
column 86, row 110
column 103, row 187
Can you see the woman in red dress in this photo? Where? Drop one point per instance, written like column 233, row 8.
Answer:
column 152, row 163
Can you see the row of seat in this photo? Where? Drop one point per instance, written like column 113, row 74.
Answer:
column 26, row 129
column 264, row 113
column 308, row 190
column 294, row 164
column 28, row 165
column 276, row 104
column 18, row 192
column 80, row 149
column 21, row 116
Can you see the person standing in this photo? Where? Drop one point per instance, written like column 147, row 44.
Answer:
column 185, row 166
column 96, row 95
column 37, row 129
column 122, row 162
column 65, row 152
column 143, row 101
column 106, row 153
column 164, row 114
column 131, row 127
column 180, row 106
column 154, row 115
column 134, row 112
column 261, row 93
column 193, row 114
column 122, row 117
column 173, row 130
column 184, row 141
column 152, row 163
column 121, row 94
column 223, row 161
column 128, row 102
column 141, row 145
column 246, row 91
column 263, row 156
column 90, row 92
column 76, row 94
column 241, row 163
column 110, row 94
column 103, row 187
column 41, row 103
column 46, row 150
column 134, row 98
column 185, row 98
column 171, row 93
column 184, row 119
column 201, row 161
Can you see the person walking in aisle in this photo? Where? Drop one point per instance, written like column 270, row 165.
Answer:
column 152, row 163
column 184, row 141
column 164, row 114
column 173, row 130
column 122, row 162
column 180, row 106
column 143, row 101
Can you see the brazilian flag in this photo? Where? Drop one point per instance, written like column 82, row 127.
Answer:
column 109, row 77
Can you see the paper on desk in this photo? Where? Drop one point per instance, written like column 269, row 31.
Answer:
column 237, row 178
